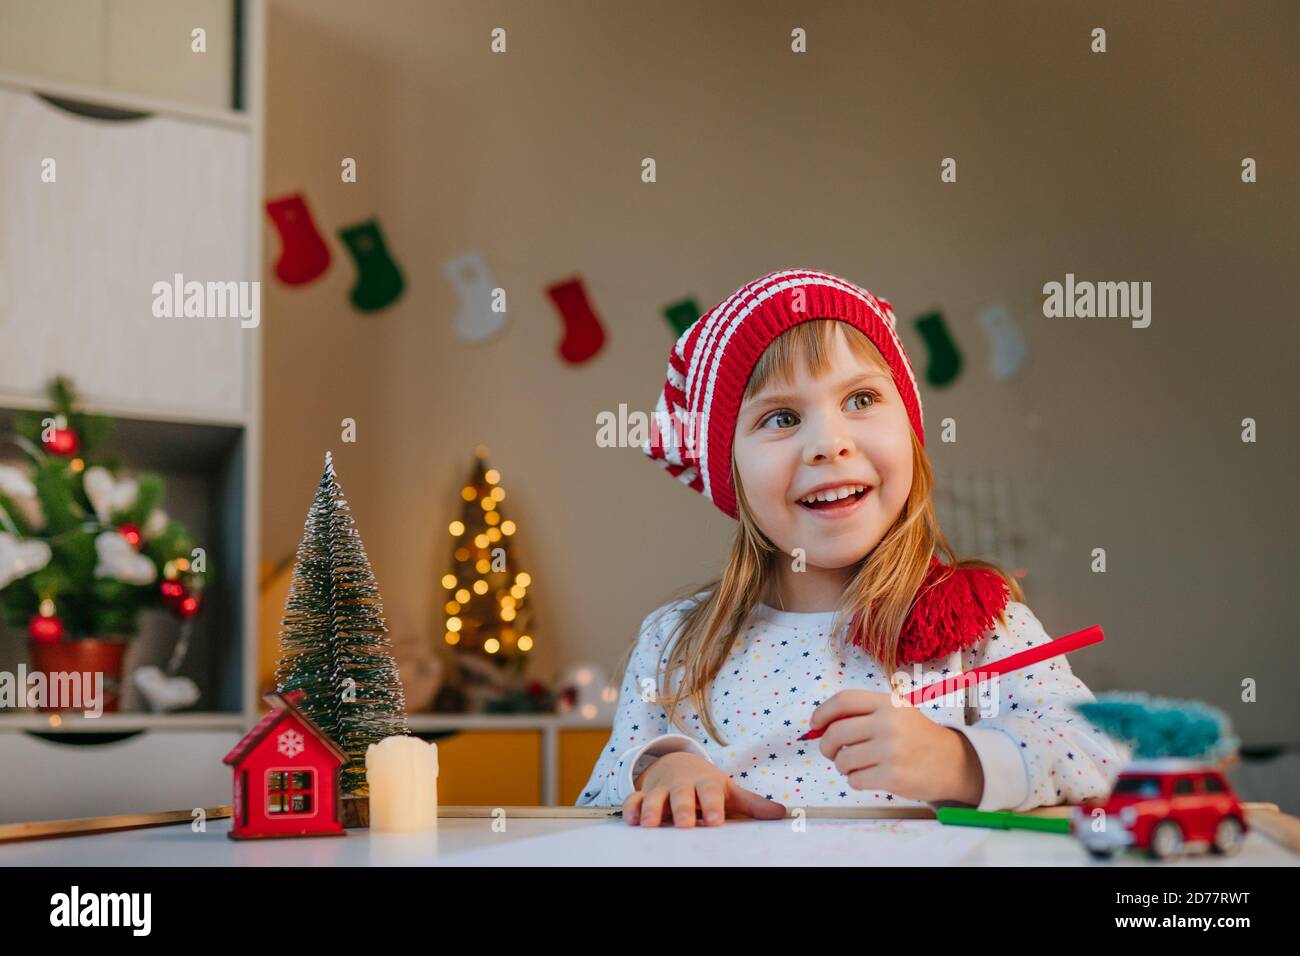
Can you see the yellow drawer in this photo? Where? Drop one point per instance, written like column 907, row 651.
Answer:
column 504, row 767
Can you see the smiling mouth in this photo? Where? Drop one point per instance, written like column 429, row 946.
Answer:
column 840, row 504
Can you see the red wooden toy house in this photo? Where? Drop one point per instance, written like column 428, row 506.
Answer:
column 286, row 776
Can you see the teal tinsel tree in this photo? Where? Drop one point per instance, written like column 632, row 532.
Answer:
column 333, row 640
column 1161, row 727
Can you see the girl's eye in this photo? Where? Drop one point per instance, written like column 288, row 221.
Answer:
column 784, row 413
column 875, row 397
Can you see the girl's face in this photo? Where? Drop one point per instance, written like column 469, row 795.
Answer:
column 843, row 430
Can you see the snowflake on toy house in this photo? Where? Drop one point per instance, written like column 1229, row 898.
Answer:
column 487, row 618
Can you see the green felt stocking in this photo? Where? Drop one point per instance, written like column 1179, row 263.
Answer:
column 379, row 281
column 945, row 360
column 681, row 315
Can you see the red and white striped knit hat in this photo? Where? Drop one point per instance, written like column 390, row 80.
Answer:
column 695, row 417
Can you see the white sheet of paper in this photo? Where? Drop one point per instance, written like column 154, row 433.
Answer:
column 822, row 842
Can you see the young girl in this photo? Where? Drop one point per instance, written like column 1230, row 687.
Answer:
column 792, row 406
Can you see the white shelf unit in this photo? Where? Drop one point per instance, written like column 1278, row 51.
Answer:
column 77, row 263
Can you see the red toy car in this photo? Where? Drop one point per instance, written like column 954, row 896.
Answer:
column 1162, row 806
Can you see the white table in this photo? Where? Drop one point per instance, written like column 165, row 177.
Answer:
column 474, row 842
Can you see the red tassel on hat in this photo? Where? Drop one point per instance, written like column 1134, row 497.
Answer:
column 950, row 612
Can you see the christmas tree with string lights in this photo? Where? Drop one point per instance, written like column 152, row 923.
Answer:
column 486, row 612
column 333, row 639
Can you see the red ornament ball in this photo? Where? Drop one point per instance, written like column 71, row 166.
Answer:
column 187, row 607
column 132, row 534
column 172, row 592
column 62, row 441
column 45, row 630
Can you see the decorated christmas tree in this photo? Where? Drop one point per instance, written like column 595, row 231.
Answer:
column 486, row 613
column 333, row 640
column 86, row 546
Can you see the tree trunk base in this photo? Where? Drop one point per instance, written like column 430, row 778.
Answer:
column 355, row 812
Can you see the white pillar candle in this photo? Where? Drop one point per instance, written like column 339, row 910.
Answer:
column 402, row 773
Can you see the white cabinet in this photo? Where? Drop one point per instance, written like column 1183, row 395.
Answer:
column 134, row 47
column 176, row 189
column 134, row 203
column 155, row 770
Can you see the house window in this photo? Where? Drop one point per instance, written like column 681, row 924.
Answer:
column 290, row 791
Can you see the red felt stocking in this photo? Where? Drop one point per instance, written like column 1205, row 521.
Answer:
column 303, row 255
column 583, row 333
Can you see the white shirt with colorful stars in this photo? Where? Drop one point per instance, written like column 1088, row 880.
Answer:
column 1034, row 749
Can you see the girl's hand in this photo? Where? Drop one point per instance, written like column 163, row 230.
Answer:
column 687, row 781
column 879, row 745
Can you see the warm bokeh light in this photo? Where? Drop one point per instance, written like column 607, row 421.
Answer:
column 476, row 557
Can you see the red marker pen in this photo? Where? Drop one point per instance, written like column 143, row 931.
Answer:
column 1015, row 662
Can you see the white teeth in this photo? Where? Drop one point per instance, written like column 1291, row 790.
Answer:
column 834, row 494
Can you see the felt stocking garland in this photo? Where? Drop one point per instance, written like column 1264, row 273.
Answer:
column 303, row 253
column 379, row 281
column 682, row 315
column 469, row 274
column 583, row 333
column 945, row 360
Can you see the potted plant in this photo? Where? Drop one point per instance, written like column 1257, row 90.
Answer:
column 84, row 547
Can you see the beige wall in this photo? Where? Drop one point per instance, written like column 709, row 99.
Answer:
column 1115, row 167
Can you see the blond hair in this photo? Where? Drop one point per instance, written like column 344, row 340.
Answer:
column 885, row 580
